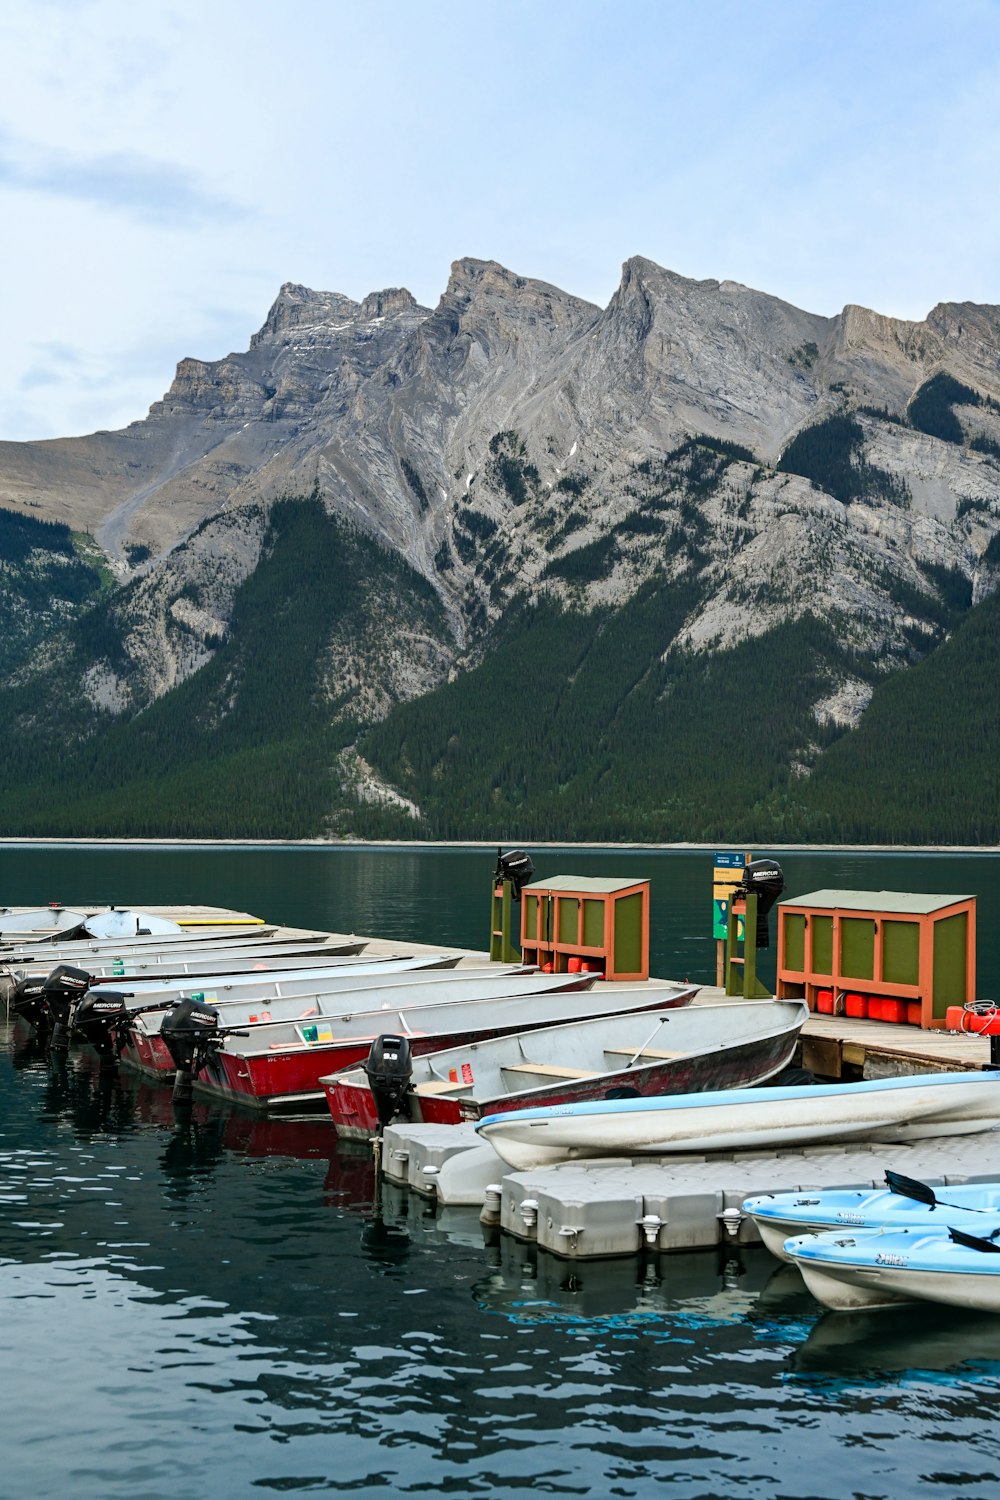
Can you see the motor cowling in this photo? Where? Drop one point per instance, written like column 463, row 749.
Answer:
column 766, row 879
column 28, row 1001
column 64, row 986
column 188, row 1029
column 98, row 1016
column 389, row 1068
column 515, row 866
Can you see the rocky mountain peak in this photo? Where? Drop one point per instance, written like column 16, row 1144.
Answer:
column 393, row 299
column 516, row 425
column 641, row 274
column 469, row 275
column 486, row 284
column 297, row 307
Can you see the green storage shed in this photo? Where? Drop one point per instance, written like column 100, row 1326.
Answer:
column 879, row 945
column 579, row 920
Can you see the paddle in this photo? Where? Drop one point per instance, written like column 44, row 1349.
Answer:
column 974, row 1241
column 909, row 1187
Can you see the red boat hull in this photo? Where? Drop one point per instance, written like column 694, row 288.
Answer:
column 287, row 1075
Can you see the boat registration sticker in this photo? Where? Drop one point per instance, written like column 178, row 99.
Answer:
column 315, row 1033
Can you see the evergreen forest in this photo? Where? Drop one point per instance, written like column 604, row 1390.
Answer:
column 576, row 726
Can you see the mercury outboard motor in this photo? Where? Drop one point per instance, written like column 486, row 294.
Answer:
column 515, row 866
column 389, row 1068
column 28, row 1002
column 765, row 878
column 62, row 989
column 98, row 1017
column 189, row 1030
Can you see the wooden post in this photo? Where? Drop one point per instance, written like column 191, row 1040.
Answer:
column 502, row 950
column 741, row 977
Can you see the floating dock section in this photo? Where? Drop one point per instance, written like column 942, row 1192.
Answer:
column 620, row 1206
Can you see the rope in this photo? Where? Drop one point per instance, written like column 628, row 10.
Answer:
column 984, row 1010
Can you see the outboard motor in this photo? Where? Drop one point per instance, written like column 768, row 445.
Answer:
column 765, row 878
column 515, row 866
column 189, row 1030
column 98, row 1017
column 28, row 1002
column 62, row 989
column 389, row 1068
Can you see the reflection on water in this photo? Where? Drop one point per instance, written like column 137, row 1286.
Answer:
column 930, row 1342
column 662, row 1293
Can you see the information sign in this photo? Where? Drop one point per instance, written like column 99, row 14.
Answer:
column 728, row 872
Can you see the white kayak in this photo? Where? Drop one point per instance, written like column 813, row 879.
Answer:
column 891, row 1109
column 882, row 1267
column 903, row 1204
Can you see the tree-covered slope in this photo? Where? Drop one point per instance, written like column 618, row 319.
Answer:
column 591, row 726
column 47, row 576
column 248, row 745
column 576, row 724
column 924, row 763
column 582, row 727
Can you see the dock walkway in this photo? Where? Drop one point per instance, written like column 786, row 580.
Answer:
column 842, row 1047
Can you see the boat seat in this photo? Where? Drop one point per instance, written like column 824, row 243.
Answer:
column 439, row 1086
column 549, row 1070
column 651, row 1052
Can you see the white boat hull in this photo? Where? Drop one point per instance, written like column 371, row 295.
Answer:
column 902, row 1109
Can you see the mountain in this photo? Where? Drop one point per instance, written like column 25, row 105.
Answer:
column 684, row 567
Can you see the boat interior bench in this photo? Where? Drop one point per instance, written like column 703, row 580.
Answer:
column 440, row 1086
column 652, row 1052
column 548, row 1070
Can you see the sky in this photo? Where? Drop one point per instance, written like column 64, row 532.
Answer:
column 164, row 167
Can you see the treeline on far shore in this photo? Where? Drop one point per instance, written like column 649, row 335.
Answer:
column 576, row 727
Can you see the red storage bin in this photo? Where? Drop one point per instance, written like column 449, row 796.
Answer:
column 824, row 1001
column 913, row 1010
column 875, row 1008
column 893, row 1010
column 856, row 1005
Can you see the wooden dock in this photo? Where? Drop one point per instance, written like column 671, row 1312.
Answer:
column 842, row 1047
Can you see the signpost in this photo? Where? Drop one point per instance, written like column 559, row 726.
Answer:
column 727, row 873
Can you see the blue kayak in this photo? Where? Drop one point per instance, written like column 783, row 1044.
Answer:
column 882, row 1267
column 902, row 1204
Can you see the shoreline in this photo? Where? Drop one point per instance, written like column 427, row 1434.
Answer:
column 72, row 841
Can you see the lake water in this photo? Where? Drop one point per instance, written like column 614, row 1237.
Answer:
column 223, row 1306
column 442, row 895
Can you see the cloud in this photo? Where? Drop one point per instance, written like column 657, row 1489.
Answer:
column 150, row 191
column 33, row 378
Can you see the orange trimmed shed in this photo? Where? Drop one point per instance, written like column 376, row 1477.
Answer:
column 882, row 945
